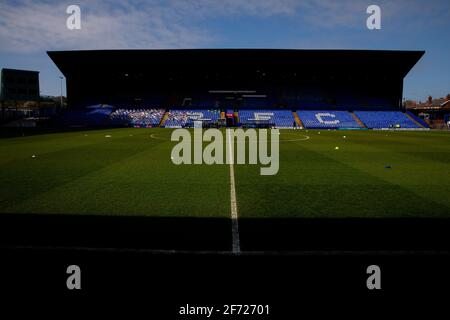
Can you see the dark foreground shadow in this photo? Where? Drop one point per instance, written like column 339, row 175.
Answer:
column 345, row 234
column 214, row 234
column 37, row 249
column 114, row 232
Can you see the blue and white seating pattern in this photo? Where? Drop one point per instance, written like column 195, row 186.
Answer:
column 137, row 117
column 281, row 118
column 386, row 119
column 320, row 119
column 182, row 118
column 327, row 119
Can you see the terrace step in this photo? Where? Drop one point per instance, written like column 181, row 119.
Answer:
column 237, row 119
column 163, row 119
column 358, row 120
column 414, row 120
column 297, row 119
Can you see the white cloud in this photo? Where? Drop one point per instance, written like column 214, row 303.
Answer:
column 32, row 26
column 38, row 25
column 29, row 26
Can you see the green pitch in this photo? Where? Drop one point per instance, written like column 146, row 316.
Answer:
column 129, row 172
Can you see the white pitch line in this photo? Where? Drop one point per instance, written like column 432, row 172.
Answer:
column 225, row 253
column 153, row 136
column 234, row 213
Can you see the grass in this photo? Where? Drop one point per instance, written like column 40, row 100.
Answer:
column 373, row 174
column 87, row 173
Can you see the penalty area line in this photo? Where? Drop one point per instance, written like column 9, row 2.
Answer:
column 236, row 246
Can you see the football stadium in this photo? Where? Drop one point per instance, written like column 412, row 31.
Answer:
column 347, row 147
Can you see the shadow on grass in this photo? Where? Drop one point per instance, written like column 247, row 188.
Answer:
column 15, row 132
column 214, row 234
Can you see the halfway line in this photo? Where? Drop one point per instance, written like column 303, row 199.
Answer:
column 234, row 214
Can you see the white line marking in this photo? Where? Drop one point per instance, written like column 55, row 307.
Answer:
column 247, row 253
column 305, row 137
column 234, row 214
column 153, row 135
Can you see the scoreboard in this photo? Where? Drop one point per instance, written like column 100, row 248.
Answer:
column 19, row 85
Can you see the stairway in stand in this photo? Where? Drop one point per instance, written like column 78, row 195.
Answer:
column 298, row 120
column 358, row 120
column 163, row 119
column 414, row 120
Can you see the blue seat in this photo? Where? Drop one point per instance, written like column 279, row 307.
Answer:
column 325, row 119
column 386, row 119
column 281, row 118
column 179, row 118
column 140, row 117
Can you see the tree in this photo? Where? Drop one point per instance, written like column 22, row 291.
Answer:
column 430, row 100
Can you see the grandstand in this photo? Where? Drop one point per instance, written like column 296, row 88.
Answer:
column 323, row 89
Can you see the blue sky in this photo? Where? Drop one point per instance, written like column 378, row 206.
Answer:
column 28, row 28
